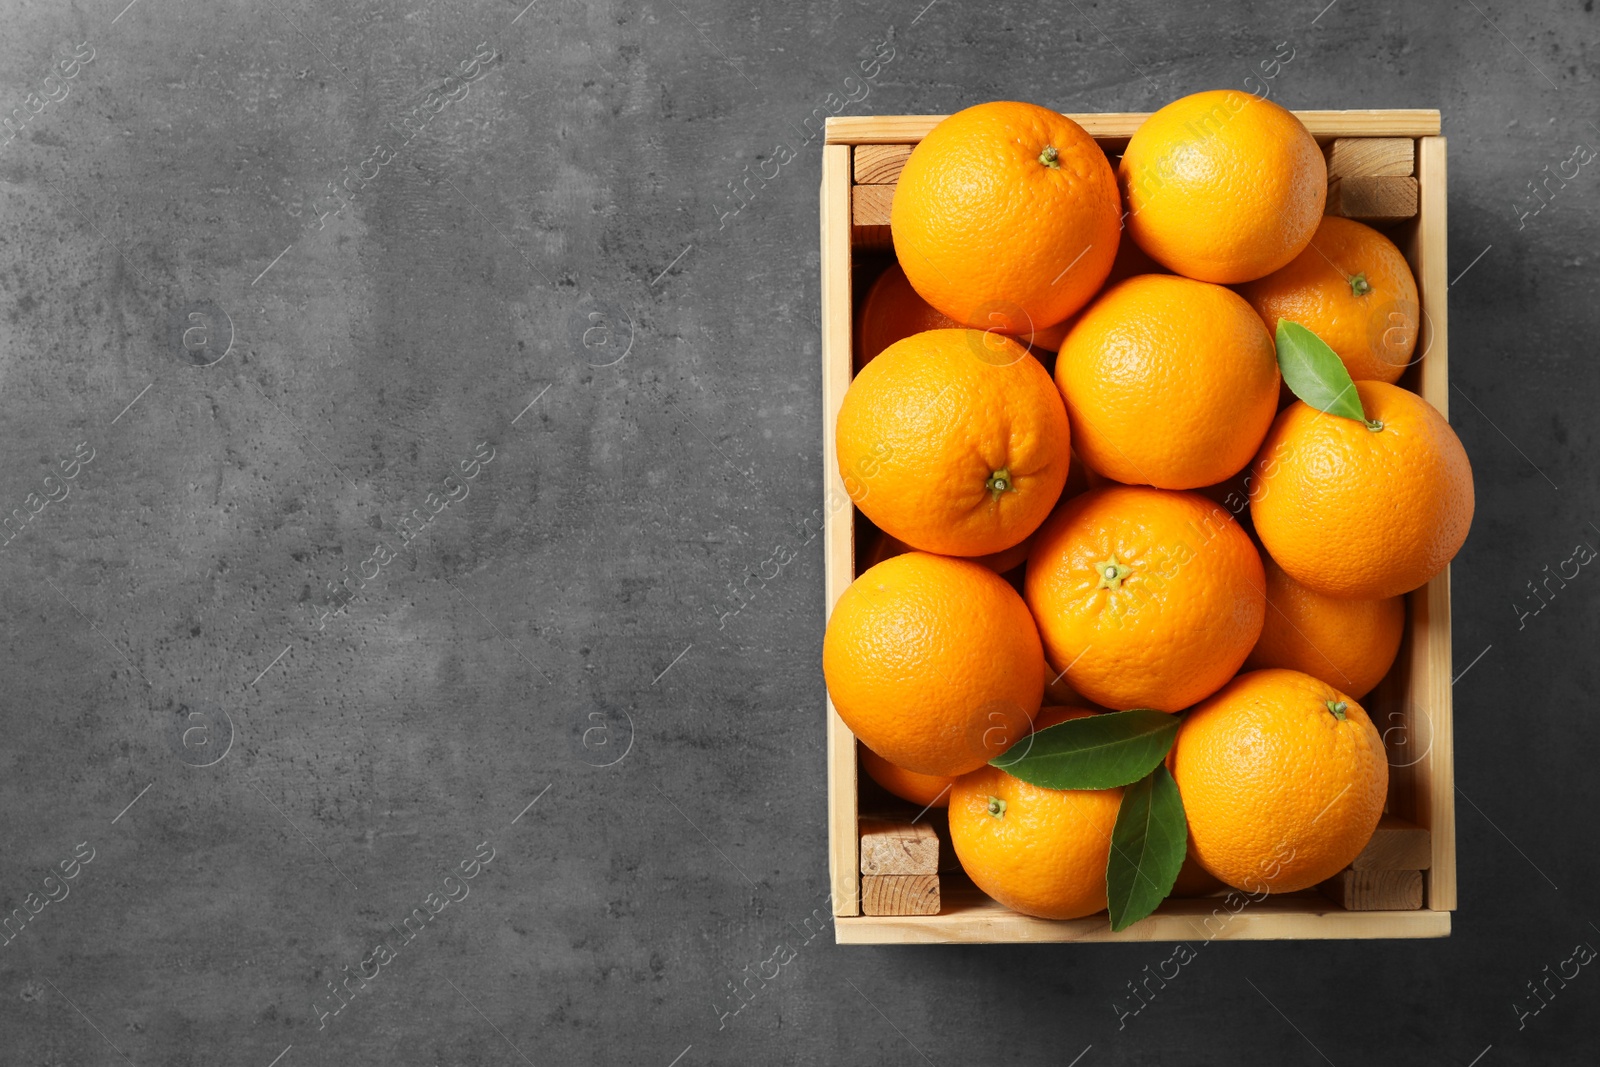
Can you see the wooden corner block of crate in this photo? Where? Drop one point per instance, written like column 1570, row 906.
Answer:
column 1380, row 198
column 1396, row 845
column 898, row 846
column 880, row 164
column 1375, row 890
column 869, row 215
column 900, row 894
column 1363, row 157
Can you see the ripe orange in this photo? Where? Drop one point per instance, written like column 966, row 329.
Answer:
column 1352, row 288
column 1283, row 779
column 1223, row 186
column 1006, row 216
column 1346, row 643
column 893, row 311
column 1038, row 851
column 952, row 451
column 1146, row 598
column 1354, row 512
column 923, row 790
column 934, row 663
column 1168, row 382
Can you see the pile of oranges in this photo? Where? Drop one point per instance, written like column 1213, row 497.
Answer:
column 1074, row 421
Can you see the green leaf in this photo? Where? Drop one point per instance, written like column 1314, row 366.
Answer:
column 1094, row 752
column 1147, row 847
column 1315, row 373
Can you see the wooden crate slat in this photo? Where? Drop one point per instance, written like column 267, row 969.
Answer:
column 1384, row 198
column 1375, row 890
column 909, row 129
column 1396, row 845
column 966, row 915
column 900, row 894
column 870, row 205
column 838, row 525
column 898, row 846
column 880, row 164
column 869, row 215
column 1354, row 157
column 1435, row 799
column 1430, row 251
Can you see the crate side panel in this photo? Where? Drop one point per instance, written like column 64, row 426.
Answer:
column 970, row 918
column 838, row 565
column 1324, row 125
column 1432, row 666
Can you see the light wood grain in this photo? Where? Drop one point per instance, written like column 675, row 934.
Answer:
column 880, row 164
column 1428, row 251
column 1357, row 157
column 837, row 512
column 900, row 894
column 909, row 129
column 1375, row 890
column 1396, row 845
column 1431, row 667
column 966, row 915
column 898, row 846
column 869, row 215
column 1390, row 198
column 870, row 205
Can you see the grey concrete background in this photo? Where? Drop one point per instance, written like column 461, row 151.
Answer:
column 550, row 274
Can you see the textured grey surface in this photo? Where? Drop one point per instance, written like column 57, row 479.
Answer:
column 569, row 208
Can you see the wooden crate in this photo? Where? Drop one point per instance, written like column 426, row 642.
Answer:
column 1411, row 707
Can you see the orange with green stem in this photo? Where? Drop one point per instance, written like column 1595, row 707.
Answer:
column 1360, row 490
